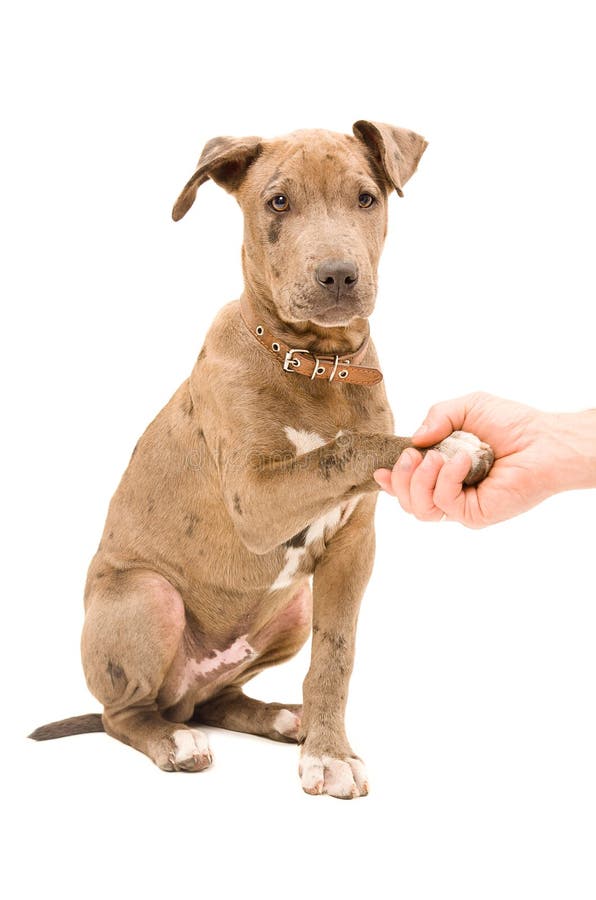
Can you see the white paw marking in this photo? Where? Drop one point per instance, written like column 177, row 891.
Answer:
column 191, row 749
column 344, row 778
column 287, row 723
column 459, row 440
column 481, row 454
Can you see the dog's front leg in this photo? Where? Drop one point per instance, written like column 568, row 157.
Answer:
column 272, row 497
column 328, row 764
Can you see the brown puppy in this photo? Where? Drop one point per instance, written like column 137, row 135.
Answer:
column 254, row 477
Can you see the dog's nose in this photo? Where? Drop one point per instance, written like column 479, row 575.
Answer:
column 337, row 274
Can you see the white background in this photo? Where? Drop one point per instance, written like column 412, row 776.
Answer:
column 473, row 696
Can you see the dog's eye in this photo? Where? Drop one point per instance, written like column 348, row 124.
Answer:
column 279, row 203
column 366, row 200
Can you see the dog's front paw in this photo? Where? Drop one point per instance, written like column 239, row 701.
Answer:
column 339, row 777
column 481, row 454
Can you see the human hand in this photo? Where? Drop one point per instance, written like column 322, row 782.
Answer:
column 535, row 457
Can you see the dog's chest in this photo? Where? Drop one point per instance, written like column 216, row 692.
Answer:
column 303, row 548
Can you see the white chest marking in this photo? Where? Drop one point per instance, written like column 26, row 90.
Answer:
column 286, row 576
column 316, row 531
column 304, row 442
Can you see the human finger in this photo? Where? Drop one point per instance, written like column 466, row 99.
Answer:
column 441, row 420
column 383, row 479
column 449, row 492
column 422, row 488
column 401, row 477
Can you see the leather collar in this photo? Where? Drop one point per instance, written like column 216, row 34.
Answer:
column 301, row 361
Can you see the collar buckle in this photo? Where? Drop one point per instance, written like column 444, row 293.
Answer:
column 289, row 362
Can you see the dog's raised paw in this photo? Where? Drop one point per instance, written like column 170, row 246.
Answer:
column 343, row 778
column 481, row 454
column 189, row 751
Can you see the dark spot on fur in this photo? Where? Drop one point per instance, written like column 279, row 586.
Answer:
column 110, row 535
column 274, row 230
column 337, row 641
column 337, row 461
column 237, row 506
column 151, row 506
column 202, row 354
column 116, row 674
column 298, row 540
column 191, row 523
column 276, row 272
column 188, row 406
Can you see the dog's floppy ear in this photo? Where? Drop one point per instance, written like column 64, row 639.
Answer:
column 396, row 151
column 224, row 160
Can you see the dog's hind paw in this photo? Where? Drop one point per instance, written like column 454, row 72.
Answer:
column 287, row 723
column 481, row 454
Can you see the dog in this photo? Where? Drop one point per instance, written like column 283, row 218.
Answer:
column 258, row 473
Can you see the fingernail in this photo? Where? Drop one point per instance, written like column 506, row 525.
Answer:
column 405, row 461
column 428, row 460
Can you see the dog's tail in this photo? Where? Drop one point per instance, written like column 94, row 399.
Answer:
column 67, row 727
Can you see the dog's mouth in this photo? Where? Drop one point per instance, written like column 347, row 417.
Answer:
column 337, row 314
column 299, row 302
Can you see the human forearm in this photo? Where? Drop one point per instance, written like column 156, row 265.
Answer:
column 574, row 450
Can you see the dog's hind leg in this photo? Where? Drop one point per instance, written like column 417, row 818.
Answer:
column 283, row 637
column 233, row 710
column 133, row 626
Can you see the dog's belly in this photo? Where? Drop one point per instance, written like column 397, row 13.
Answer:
column 199, row 673
column 204, row 666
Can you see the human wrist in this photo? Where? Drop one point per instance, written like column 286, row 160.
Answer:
column 574, row 450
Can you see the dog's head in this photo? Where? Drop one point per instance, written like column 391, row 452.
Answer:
column 315, row 213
